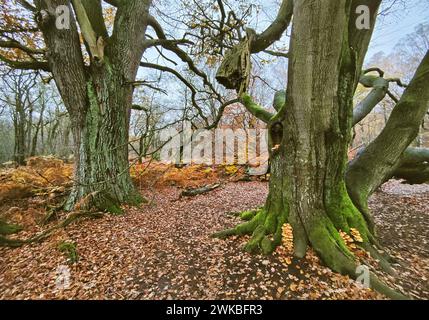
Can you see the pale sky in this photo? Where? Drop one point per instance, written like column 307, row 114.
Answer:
column 397, row 24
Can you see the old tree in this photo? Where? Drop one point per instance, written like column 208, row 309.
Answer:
column 96, row 85
column 94, row 63
column 311, row 185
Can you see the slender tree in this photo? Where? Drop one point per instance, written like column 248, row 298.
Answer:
column 19, row 96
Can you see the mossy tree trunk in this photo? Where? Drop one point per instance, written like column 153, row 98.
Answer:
column 307, row 185
column 309, row 139
column 98, row 94
column 101, row 144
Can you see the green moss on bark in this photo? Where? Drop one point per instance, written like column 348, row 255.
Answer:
column 265, row 228
column 343, row 213
column 327, row 242
column 248, row 215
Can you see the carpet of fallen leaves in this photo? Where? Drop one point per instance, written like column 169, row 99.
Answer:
column 163, row 250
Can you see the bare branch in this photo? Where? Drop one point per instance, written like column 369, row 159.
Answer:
column 398, row 82
column 392, row 96
column 374, row 69
column 277, row 53
column 183, row 80
column 182, row 55
column 17, row 45
column 275, row 30
column 26, row 65
column 27, row 5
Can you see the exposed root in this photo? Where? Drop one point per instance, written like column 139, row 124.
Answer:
column 6, row 228
column 265, row 228
column 383, row 261
column 379, row 286
column 241, row 229
column 336, row 256
column 102, row 201
column 266, row 234
column 248, row 215
column 14, row 243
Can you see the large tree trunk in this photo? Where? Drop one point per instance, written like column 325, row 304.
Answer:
column 309, row 140
column 101, row 145
column 308, row 169
column 98, row 96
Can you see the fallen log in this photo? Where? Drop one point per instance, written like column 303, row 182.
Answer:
column 201, row 190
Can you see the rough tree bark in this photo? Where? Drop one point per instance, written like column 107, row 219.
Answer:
column 98, row 96
column 309, row 138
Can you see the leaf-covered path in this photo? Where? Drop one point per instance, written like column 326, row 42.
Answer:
column 163, row 251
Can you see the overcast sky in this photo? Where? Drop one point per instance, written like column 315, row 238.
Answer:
column 397, row 24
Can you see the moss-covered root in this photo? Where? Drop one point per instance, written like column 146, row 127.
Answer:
column 330, row 247
column 383, row 259
column 248, row 215
column 15, row 243
column 103, row 201
column 7, row 229
column 241, row 229
column 382, row 288
column 11, row 243
column 265, row 228
column 327, row 242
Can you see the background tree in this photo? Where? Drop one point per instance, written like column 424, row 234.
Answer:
column 19, row 97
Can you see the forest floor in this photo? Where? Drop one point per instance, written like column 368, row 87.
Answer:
column 163, row 250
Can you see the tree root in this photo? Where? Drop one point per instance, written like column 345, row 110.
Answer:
column 6, row 228
column 380, row 287
column 266, row 234
column 248, row 215
column 51, row 214
column 335, row 254
column 102, row 201
column 15, row 243
column 265, row 228
column 383, row 260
